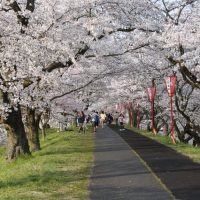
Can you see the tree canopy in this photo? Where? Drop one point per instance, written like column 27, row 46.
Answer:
column 99, row 53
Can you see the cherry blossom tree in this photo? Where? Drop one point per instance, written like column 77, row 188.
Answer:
column 94, row 52
column 50, row 44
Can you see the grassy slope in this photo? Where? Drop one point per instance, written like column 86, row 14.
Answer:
column 59, row 171
column 185, row 149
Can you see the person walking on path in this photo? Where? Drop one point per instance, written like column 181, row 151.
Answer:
column 76, row 114
column 110, row 118
column 115, row 118
column 95, row 120
column 102, row 118
column 121, row 122
column 81, row 120
column 87, row 119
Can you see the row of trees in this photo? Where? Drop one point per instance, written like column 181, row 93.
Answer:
column 93, row 53
column 186, row 112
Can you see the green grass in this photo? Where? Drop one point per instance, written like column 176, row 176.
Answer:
column 60, row 170
column 185, row 149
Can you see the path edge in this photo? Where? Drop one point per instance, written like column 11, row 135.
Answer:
column 149, row 169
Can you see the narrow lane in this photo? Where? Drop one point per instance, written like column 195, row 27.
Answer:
column 118, row 173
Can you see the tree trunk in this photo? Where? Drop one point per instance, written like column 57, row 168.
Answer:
column 181, row 135
column 188, row 129
column 130, row 114
column 165, row 129
column 149, row 126
column 44, row 122
column 134, row 118
column 32, row 130
column 37, row 123
column 43, row 132
column 17, row 143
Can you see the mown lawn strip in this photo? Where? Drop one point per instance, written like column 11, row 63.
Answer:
column 61, row 170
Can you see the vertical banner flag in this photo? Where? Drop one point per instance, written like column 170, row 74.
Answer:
column 151, row 92
column 170, row 83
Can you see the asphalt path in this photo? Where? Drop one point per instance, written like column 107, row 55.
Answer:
column 179, row 173
column 119, row 173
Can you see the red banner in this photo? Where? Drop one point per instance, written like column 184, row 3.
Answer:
column 170, row 83
column 130, row 112
column 151, row 92
column 138, row 112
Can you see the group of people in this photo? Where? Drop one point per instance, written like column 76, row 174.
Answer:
column 97, row 119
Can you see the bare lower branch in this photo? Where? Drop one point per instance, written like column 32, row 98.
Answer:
column 119, row 54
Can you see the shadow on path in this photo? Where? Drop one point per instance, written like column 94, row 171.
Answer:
column 118, row 174
column 178, row 172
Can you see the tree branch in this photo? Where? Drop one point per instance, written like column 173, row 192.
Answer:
column 120, row 54
column 189, row 77
column 57, row 65
column 15, row 7
column 74, row 90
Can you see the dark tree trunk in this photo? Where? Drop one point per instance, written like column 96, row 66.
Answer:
column 37, row 121
column 17, row 143
column 44, row 132
column 149, row 126
column 166, row 129
column 134, row 118
column 181, row 135
column 32, row 130
column 44, row 122
column 130, row 114
column 189, row 130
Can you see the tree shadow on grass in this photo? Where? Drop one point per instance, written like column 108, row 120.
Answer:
column 48, row 180
column 67, row 151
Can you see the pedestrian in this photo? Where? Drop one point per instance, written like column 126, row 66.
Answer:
column 76, row 114
column 121, row 122
column 95, row 120
column 87, row 118
column 63, row 122
column 102, row 118
column 81, row 120
column 110, row 118
column 115, row 118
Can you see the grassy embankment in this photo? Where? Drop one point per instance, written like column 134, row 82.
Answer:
column 185, row 149
column 60, row 170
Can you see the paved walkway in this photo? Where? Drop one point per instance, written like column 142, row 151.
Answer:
column 180, row 174
column 118, row 172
